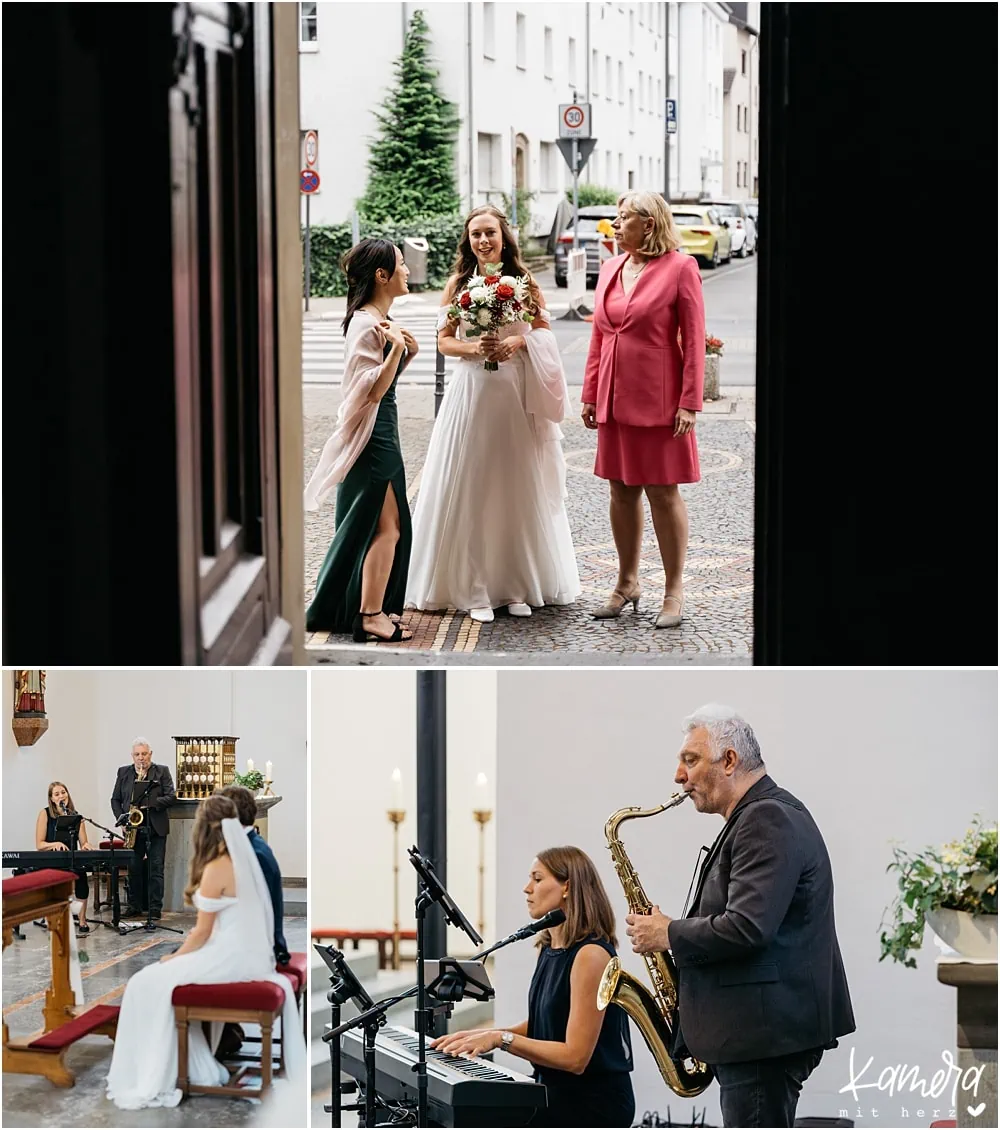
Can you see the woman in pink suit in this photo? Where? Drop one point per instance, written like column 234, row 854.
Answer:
column 643, row 385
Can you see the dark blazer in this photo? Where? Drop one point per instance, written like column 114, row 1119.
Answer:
column 272, row 876
column 161, row 795
column 759, row 967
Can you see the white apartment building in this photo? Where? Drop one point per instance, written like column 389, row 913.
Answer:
column 508, row 66
column 741, row 102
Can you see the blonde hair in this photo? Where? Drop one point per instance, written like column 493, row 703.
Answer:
column 664, row 237
column 207, row 839
column 587, row 906
column 70, row 806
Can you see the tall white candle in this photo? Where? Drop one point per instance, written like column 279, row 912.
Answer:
column 267, row 771
column 249, row 764
column 396, row 791
column 482, row 793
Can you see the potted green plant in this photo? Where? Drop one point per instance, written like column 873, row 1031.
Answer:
column 253, row 780
column 952, row 889
column 713, row 351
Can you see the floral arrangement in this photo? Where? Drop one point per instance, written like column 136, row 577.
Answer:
column 713, row 344
column 492, row 300
column 962, row 875
column 254, row 780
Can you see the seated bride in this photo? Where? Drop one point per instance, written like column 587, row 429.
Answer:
column 232, row 940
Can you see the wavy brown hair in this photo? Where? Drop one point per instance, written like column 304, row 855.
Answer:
column 359, row 265
column 588, row 908
column 466, row 264
column 71, row 807
column 207, row 840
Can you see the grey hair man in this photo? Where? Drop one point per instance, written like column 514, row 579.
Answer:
column 762, row 990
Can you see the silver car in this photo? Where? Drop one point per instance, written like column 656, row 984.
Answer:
column 736, row 215
column 590, row 241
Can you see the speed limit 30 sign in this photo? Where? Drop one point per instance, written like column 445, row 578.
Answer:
column 574, row 119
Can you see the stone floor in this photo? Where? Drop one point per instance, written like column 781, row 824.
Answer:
column 107, row 960
column 718, row 625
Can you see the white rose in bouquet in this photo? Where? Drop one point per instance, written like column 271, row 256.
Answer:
column 509, row 280
column 479, row 293
column 483, row 317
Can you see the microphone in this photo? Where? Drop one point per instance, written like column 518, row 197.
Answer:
column 65, row 810
column 554, row 918
column 122, row 820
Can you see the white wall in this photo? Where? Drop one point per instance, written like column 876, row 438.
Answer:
column 364, row 726
column 875, row 756
column 95, row 715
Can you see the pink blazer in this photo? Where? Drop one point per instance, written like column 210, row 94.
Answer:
column 638, row 373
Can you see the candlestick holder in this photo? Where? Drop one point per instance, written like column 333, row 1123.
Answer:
column 396, row 817
column 267, row 787
column 483, row 816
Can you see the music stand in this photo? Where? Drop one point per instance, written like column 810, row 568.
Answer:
column 430, row 891
column 113, row 873
column 149, row 925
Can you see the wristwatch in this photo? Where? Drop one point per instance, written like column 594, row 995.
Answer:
column 506, row 1039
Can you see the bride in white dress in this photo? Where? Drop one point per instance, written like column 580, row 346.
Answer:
column 232, row 940
column 490, row 527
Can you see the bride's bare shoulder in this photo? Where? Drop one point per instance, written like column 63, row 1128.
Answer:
column 450, row 287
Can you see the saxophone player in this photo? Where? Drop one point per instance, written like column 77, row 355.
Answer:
column 581, row 1054
column 762, row 990
column 153, row 798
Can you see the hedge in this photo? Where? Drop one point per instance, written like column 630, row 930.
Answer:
column 329, row 244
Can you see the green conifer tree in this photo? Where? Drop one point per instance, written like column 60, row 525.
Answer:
column 411, row 166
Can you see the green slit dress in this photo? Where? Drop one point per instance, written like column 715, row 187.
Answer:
column 359, row 503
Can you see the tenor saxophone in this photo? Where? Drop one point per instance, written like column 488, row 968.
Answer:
column 654, row 1013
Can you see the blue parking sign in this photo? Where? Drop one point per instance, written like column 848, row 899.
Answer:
column 670, row 115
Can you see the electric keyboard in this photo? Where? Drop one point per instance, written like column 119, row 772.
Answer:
column 61, row 860
column 460, row 1092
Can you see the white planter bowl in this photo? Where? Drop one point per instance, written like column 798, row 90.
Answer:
column 971, row 935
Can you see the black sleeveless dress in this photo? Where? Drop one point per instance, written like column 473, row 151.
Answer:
column 54, row 836
column 602, row 1095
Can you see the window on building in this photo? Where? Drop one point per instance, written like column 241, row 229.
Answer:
column 571, row 61
column 659, row 172
column 609, row 171
column 489, row 31
column 631, row 29
column 548, row 156
column 651, row 105
column 547, row 35
column 608, row 88
column 621, row 168
column 522, row 42
column 660, row 108
column 631, row 178
column 642, row 172
column 488, row 153
column 595, row 71
column 642, row 13
column 743, row 62
column 641, row 95
column 621, row 84
column 631, row 110
column 738, row 181
column 307, row 23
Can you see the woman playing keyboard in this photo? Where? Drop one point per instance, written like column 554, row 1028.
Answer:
column 583, row 1056
column 50, row 838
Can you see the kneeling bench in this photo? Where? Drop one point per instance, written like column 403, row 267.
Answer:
column 384, row 939
column 236, row 1002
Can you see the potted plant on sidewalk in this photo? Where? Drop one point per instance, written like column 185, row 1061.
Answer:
column 952, row 889
column 713, row 352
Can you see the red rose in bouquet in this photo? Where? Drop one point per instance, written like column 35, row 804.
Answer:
column 465, row 301
column 504, row 291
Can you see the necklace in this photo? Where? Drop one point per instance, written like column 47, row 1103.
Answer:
column 634, row 273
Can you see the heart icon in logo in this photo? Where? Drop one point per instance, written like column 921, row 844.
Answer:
column 976, row 1111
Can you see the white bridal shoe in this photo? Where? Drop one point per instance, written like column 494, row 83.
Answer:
column 519, row 609
column 483, row 615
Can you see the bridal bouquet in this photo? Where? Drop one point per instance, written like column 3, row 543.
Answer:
column 492, row 300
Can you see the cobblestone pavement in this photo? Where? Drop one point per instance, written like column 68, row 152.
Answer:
column 718, row 576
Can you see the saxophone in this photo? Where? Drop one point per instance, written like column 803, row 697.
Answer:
column 654, row 1013
column 135, row 819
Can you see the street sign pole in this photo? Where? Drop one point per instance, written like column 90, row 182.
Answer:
column 308, row 252
column 576, row 193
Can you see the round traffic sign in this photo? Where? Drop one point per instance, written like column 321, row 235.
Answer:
column 311, row 147
column 308, row 180
column 573, row 117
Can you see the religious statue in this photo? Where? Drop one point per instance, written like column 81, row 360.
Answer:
column 29, row 722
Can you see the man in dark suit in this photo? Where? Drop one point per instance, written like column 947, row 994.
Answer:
column 152, row 788
column 246, row 807
column 762, row 991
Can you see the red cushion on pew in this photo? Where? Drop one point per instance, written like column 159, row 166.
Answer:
column 363, row 935
column 297, row 970
column 106, row 844
column 233, row 994
column 82, row 1025
column 36, row 880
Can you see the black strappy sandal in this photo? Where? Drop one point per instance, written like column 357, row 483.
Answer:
column 362, row 635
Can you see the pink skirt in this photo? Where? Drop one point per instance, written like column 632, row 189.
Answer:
column 645, row 456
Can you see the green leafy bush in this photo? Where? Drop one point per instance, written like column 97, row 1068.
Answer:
column 589, row 195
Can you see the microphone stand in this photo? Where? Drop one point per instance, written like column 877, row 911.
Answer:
column 116, row 909
column 149, row 925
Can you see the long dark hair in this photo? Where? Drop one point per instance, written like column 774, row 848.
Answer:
column 466, row 264
column 208, row 841
column 70, row 806
column 588, row 908
column 360, row 265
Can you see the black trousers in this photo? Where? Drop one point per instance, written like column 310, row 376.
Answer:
column 147, row 843
column 764, row 1092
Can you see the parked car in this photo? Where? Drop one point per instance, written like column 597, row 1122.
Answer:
column 703, row 234
column 590, row 241
column 742, row 226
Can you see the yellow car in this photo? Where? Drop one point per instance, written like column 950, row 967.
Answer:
column 703, row 233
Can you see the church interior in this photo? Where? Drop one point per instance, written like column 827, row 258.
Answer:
column 66, row 964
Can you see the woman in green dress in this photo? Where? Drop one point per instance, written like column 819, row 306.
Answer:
column 362, row 582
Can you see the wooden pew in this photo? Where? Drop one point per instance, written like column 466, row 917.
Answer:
column 384, row 939
column 47, row 894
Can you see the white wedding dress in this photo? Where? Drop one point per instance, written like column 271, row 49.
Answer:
column 144, row 1063
column 490, row 527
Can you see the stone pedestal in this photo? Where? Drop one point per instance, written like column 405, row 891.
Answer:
column 711, row 376
column 976, row 982
column 178, row 861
